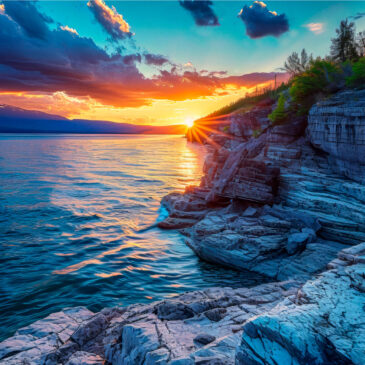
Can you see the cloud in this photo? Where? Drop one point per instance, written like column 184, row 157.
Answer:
column 316, row 28
column 357, row 16
column 68, row 29
column 32, row 22
column 131, row 59
column 261, row 22
column 62, row 61
column 112, row 22
column 155, row 60
column 201, row 11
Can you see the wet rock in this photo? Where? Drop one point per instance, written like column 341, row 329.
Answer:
column 204, row 339
column 170, row 310
column 176, row 223
column 216, row 314
column 90, row 329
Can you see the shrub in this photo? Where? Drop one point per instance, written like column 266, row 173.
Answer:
column 320, row 78
column 279, row 114
column 358, row 74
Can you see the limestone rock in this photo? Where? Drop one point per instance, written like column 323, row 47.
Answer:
column 198, row 327
column 325, row 324
column 337, row 126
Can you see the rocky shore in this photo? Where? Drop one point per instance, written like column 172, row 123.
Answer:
column 284, row 201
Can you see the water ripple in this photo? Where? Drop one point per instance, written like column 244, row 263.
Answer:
column 78, row 224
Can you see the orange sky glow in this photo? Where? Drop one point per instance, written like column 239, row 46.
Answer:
column 156, row 112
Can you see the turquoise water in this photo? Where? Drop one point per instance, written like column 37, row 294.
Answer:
column 78, row 224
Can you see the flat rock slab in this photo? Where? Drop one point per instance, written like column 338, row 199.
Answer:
column 198, row 327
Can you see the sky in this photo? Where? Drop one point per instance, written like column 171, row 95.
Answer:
column 154, row 62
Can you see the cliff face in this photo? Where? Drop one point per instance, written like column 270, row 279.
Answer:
column 292, row 208
column 337, row 126
column 287, row 203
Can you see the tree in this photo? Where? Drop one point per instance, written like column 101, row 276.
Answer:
column 295, row 65
column 321, row 78
column 343, row 47
column 361, row 44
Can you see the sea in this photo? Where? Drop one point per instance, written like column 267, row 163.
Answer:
column 78, row 217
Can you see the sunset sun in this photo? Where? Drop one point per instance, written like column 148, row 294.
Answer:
column 189, row 122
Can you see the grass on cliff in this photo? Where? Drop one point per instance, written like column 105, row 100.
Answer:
column 247, row 102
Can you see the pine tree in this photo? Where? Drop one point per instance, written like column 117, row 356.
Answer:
column 344, row 46
column 295, row 65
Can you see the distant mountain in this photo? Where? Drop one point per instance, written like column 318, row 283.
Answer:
column 18, row 120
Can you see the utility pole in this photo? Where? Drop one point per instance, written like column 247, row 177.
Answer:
column 275, row 83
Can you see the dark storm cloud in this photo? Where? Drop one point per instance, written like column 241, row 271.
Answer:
column 112, row 22
column 201, row 11
column 261, row 22
column 28, row 17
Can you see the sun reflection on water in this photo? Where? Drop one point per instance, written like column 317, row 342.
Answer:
column 79, row 223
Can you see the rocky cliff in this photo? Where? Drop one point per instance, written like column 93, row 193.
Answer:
column 286, row 202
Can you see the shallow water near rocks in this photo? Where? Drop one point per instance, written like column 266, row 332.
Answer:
column 78, row 220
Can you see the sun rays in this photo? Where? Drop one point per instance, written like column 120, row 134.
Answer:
column 204, row 130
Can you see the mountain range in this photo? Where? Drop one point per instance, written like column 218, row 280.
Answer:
column 18, row 120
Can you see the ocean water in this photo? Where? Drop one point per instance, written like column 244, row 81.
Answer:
column 78, row 220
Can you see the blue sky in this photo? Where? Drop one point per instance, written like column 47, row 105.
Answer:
column 153, row 62
column 165, row 27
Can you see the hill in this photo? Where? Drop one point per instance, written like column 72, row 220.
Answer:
column 18, row 120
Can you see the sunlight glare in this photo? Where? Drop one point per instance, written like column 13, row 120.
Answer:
column 189, row 122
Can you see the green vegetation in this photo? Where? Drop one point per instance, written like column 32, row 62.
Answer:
column 310, row 78
column 318, row 80
column 279, row 115
column 357, row 79
column 247, row 102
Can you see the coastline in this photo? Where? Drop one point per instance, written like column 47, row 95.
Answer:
column 287, row 204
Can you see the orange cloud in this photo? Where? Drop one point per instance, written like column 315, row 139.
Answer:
column 316, row 28
column 68, row 29
column 110, row 19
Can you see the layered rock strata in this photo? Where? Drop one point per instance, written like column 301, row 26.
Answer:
column 202, row 327
column 324, row 324
column 287, row 202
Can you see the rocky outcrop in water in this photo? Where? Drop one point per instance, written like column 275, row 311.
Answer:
column 316, row 208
